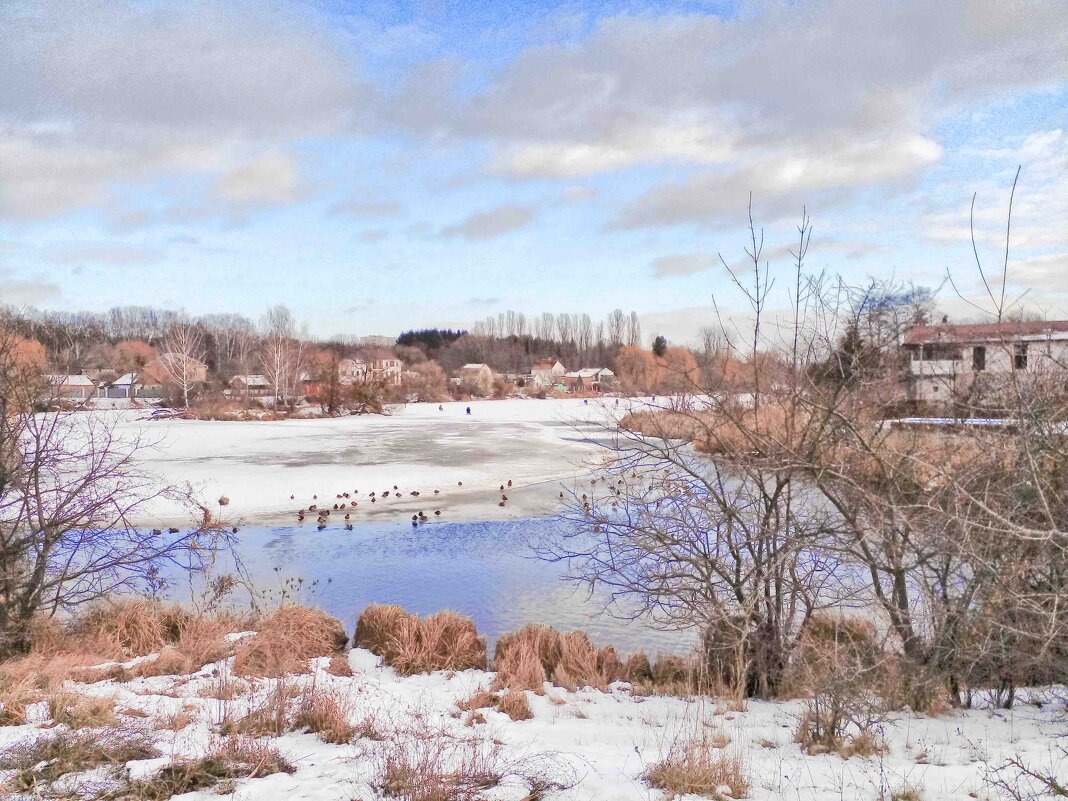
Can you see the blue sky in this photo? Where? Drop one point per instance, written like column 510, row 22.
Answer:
column 377, row 166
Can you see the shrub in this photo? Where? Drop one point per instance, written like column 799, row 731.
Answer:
column 844, row 675
column 287, row 638
column 200, row 642
column 526, row 659
column 434, row 766
column 699, row 767
column 410, row 645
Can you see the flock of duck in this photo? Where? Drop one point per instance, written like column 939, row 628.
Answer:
column 346, row 503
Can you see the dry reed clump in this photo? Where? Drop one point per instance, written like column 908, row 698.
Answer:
column 81, row 711
column 271, row 716
column 16, row 694
column 410, row 644
column 285, row 641
column 325, row 713
column 526, row 659
column 200, row 641
column 130, row 627
column 231, row 759
column 36, row 765
column 515, row 705
column 698, row 767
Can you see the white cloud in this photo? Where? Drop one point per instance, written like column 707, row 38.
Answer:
column 22, row 292
column 489, row 224
column 269, row 178
column 683, row 264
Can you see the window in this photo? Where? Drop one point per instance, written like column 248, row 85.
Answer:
column 1019, row 356
column 979, row 358
column 937, row 353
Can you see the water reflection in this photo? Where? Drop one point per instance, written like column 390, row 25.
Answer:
column 483, row 569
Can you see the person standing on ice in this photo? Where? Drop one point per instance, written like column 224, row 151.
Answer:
column 469, row 410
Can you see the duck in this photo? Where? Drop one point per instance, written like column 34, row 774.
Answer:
column 348, row 527
column 501, row 503
column 509, row 482
column 414, row 493
column 436, row 491
column 437, row 512
column 346, row 515
column 504, row 497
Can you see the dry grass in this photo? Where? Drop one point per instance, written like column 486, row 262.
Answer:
column 130, row 627
column 16, row 694
column 515, row 705
column 437, row 766
column 287, row 638
column 327, row 714
column 199, row 642
column 270, row 717
column 698, row 767
column 410, row 645
column 81, row 711
column 177, row 721
column 39, row 763
column 526, row 659
column 231, row 759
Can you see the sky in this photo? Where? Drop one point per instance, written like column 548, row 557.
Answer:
column 379, row 166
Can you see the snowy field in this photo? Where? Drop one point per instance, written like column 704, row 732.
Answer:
column 601, row 741
column 535, row 444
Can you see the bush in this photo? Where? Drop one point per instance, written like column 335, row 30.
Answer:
column 326, row 714
column 846, row 679
column 515, row 705
column 526, row 659
column 411, row 645
column 285, row 641
column 200, row 642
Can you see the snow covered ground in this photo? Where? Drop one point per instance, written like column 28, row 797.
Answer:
column 535, row 444
column 601, row 741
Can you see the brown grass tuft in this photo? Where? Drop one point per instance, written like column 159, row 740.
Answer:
column 287, row 638
column 130, row 627
column 81, row 711
column 410, row 645
column 327, row 714
column 515, row 705
column 698, row 767
column 437, row 767
column 526, row 659
column 200, row 642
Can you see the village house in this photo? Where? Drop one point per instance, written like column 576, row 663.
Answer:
column 949, row 361
column 71, row 387
column 478, row 377
column 385, row 371
column 251, row 386
column 161, row 373
column 546, row 373
column 122, row 388
column 589, row 379
column 351, row 371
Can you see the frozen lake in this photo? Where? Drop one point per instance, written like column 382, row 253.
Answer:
column 483, row 569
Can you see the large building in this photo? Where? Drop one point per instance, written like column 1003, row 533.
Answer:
column 950, row 361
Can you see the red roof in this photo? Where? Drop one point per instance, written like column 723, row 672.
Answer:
column 982, row 332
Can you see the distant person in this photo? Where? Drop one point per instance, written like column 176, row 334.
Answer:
column 469, row 410
column 441, row 408
column 586, row 402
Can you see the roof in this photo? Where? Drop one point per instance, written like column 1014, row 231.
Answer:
column 70, row 380
column 474, row 366
column 252, row 380
column 126, row 378
column 546, row 363
column 589, row 372
column 983, row 332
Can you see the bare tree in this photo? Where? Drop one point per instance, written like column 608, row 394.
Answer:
column 70, row 493
column 634, row 331
column 617, row 325
column 181, row 360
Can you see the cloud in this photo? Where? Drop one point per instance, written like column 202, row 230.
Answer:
column 368, row 208
column 269, row 178
column 107, row 254
column 683, row 264
column 22, row 292
column 791, row 101
column 98, row 95
column 373, row 235
column 489, row 224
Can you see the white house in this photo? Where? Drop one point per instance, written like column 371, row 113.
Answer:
column 546, row 373
column 595, row 379
column 478, row 376
column 947, row 361
column 72, row 387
